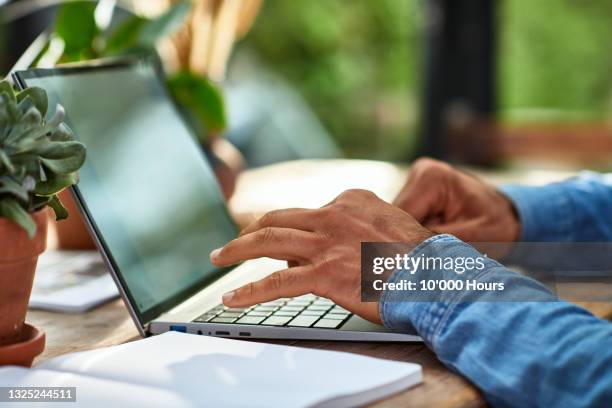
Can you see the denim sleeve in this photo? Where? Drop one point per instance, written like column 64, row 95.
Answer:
column 576, row 210
column 544, row 352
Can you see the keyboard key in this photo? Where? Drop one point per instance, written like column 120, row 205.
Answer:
column 319, row 307
column 230, row 314
column 291, row 308
column 328, row 323
column 250, row 320
column 303, row 321
column 205, row 318
column 286, row 313
column 236, row 309
column 312, row 313
column 277, row 320
column 338, row 309
column 273, row 303
column 323, row 301
column 258, row 313
column 265, row 308
column 223, row 320
column 335, row 316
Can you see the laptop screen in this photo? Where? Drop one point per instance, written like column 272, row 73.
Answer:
column 146, row 186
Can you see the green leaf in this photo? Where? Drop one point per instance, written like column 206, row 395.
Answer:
column 39, row 97
column 75, row 24
column 62, row 157
column 55, row 185
column 164, row 25
column 125, row 36
column 10, row 186
column 58, row 208
column 7, row 88
column 6, row 162
column 201, row 99
column 10, row 208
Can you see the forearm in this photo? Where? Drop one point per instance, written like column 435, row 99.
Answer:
column 576, row 210
column 517, row 353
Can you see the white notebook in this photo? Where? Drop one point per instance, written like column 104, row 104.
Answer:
column 186, row 370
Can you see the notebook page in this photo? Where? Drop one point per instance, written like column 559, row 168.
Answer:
column 90, row 392
column 224, row 372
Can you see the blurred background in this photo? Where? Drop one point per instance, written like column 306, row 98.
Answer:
column 480, row 82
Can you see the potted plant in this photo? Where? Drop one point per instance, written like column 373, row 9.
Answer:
column 38, row 159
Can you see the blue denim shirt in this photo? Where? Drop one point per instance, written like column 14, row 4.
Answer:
column 539, row 354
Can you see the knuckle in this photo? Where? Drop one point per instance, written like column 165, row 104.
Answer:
column 265, row 235
column 276, row 281
column 267, row 219
column 246, row 292
column 432, row 167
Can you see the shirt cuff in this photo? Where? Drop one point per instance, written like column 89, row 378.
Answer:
column 545, row 213
column 415, row 313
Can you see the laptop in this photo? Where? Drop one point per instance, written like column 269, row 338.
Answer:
column 156, row 211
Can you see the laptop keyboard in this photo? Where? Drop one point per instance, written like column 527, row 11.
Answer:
column 302, row 311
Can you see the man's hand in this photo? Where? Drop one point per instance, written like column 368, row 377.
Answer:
column 322, row 247
column 450, row 201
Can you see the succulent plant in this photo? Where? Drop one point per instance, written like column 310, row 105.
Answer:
column 38, row 157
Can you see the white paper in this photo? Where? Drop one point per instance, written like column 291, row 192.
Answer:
column 91, row 392
column 71, row 281
column 209, row 371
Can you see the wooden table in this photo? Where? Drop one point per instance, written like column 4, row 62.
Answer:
column 307, row 184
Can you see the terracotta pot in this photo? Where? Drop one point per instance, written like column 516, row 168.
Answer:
column 22, row 353
column 18, row 257
column 72, row 233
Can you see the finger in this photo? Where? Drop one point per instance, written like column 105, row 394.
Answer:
column 296, row 218
column 285, row 283
column 419, row 200
column 278, row 243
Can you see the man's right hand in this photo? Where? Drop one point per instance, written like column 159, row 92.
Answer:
column 447, row 200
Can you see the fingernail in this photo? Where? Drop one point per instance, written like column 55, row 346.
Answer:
column 227, row 297
column 215, row 254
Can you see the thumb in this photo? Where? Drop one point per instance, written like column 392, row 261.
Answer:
column 418, row 200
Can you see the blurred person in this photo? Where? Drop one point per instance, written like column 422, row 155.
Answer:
column 535, row 353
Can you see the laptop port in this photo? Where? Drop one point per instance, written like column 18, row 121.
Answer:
column 182, row 329
column 245, row 334
column 222, row 333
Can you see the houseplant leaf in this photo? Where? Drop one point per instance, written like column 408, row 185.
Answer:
column 11, row 209
column 125, row 36
column 55, row 184
column 10, row 186
column 38, row 96
column 58, row 208
column 138, row 33
column 202, row 101
column 164, row 25
column 61, row 157
column 75, row 24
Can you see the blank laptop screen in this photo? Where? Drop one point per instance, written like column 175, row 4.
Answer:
column 146, row 185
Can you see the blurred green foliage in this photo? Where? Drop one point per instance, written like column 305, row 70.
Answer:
column 83, row 39
column 555, row 55
column 358, row 63
column 355, row 61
